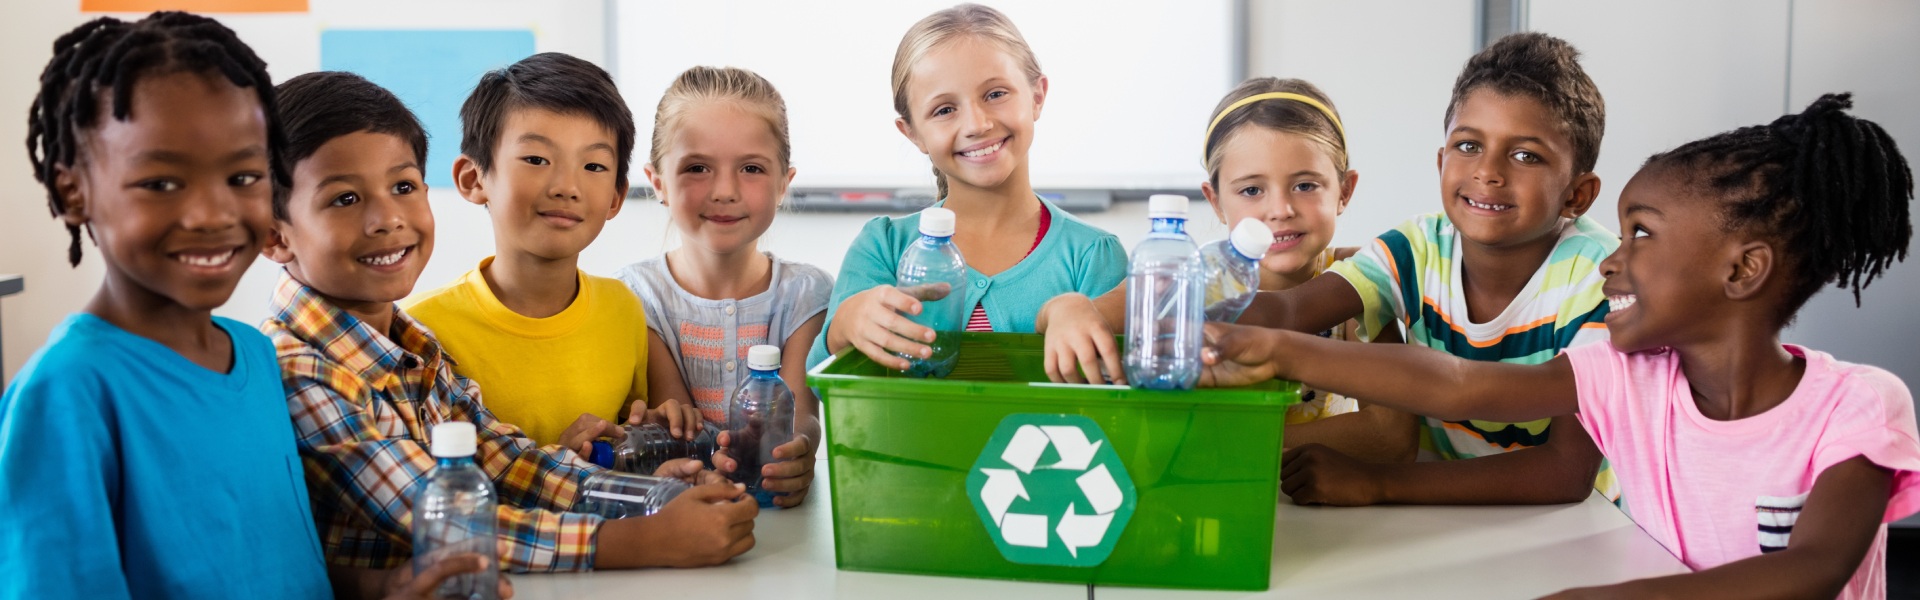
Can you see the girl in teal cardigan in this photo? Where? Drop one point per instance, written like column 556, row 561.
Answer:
column 967, row 90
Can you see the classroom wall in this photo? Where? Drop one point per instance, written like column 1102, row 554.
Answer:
column 1670, row 72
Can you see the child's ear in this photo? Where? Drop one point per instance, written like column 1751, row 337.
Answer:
column 906, row 129
column 1347, row 184
column 1039, row 96
column 653, row 178
column 1752, row 266
column 785, row 186
column 1581, row 194
column 67, row 183
column 277, row 248
column 469, row 180
column 618, row 201
column 1213, row 199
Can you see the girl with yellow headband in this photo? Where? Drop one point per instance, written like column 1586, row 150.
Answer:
column 1275, row 151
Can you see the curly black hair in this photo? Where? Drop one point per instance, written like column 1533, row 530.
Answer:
column 108, row 56
column 1830, row 188
column 1546, row 69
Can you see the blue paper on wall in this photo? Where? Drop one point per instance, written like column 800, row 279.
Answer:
column 430, row 70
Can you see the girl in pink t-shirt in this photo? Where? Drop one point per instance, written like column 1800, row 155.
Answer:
column 1768, row 468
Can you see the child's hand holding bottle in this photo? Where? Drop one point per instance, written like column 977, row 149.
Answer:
column 873, row 322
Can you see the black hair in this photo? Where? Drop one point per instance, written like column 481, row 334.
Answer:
column 548, row 81
column 1547, row 70
column 317, row 107
column 108, row 56
column 1829, row 189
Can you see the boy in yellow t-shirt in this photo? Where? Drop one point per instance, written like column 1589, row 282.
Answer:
column 544, row 148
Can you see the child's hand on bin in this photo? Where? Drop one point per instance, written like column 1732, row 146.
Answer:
column 1080, row 344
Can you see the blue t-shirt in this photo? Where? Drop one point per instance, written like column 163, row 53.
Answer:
column 1072, row 257
column 127, row 470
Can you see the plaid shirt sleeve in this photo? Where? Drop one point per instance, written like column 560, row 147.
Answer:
column 363, row 481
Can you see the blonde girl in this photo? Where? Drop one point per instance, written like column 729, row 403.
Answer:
column 721, row 162
column 967, row 90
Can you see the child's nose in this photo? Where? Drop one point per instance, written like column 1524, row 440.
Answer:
column 977, row 123
column 565, row 185
column 1488, row 171
column 726, row 188
column 383, row 215
column 213, row 210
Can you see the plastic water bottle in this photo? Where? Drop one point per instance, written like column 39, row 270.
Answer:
column 759, row 419
column 649, row 445
column 933, row 271
column 1164, row 296
column 622, row 495
column 454, row 513
column 1233, row 269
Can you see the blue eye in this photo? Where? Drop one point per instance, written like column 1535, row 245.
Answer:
column 942, row 111
column 1252, row 191
column 997, row 94
column 1305, row 186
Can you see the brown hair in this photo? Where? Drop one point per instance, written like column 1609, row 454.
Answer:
column 744, row 88
column 1546, row 69
column 971, row 20
column 1287, row 116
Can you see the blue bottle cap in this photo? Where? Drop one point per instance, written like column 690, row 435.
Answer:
column 602, row 454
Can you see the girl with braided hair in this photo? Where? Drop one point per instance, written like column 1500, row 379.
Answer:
column 146, row 449
column 1771, row 469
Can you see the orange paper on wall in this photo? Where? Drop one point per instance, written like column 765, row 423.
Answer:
column 206, row 6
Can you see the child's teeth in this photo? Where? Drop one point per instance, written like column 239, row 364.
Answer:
column 1620, row 303
column 982, row 152
column 205, row 260
column 1486, row 206
column 381, row 261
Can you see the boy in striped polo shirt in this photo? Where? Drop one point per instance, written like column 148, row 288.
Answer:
column 1508, row 271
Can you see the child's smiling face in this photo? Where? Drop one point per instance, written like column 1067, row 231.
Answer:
column 1665, row 280
column 972, row 112
column 359, row 227
column 721, row 177
column 1506, row 171
column 553, row 184
column 1288, row 183
column 176, row 196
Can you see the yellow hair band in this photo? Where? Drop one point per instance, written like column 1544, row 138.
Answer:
column 1270, row 96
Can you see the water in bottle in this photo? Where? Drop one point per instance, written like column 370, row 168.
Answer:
column 1233, row 269
column 621, row 495
column 649, row 445
column 454, row 513
column 759, row 419
column 1164, row 301
column 933, row 271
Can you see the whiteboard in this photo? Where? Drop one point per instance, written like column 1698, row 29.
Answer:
column 1129, row 98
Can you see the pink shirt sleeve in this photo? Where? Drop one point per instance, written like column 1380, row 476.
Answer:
column 1883, row 430
column 1598, row 370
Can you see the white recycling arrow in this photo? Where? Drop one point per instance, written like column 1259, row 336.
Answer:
column 1025, row 448
column 1026, row 530
column 1101, row 490
column 1075, row 451
column 1082, row 531
column 1003, row 485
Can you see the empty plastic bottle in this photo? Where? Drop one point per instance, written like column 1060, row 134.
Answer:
column 454, row 513
column 759, row 419
column 622, row 495
column 649, row 445
column 1233, row 269
column 1164, row 301
column 933, row 271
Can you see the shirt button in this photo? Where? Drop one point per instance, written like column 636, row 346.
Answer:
column 729, row 366
column 729, row 309
column 980, row 283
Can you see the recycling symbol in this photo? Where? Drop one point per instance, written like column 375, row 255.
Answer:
column 1051, row 490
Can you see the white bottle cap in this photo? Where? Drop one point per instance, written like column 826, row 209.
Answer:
column 936, row 222
column 1251, row 238
column 1167, row 206
column 454, row 439
column 767, row 358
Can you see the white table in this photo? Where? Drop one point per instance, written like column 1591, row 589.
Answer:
column 1374, row 552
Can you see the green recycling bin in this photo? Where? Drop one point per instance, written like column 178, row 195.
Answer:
column 994, row 472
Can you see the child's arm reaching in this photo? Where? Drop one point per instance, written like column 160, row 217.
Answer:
column 1317, row 305
column 1423, row 380
column 1836, row 528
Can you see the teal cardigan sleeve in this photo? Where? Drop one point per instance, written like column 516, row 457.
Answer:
column 869, row 262
column 1105, row 267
